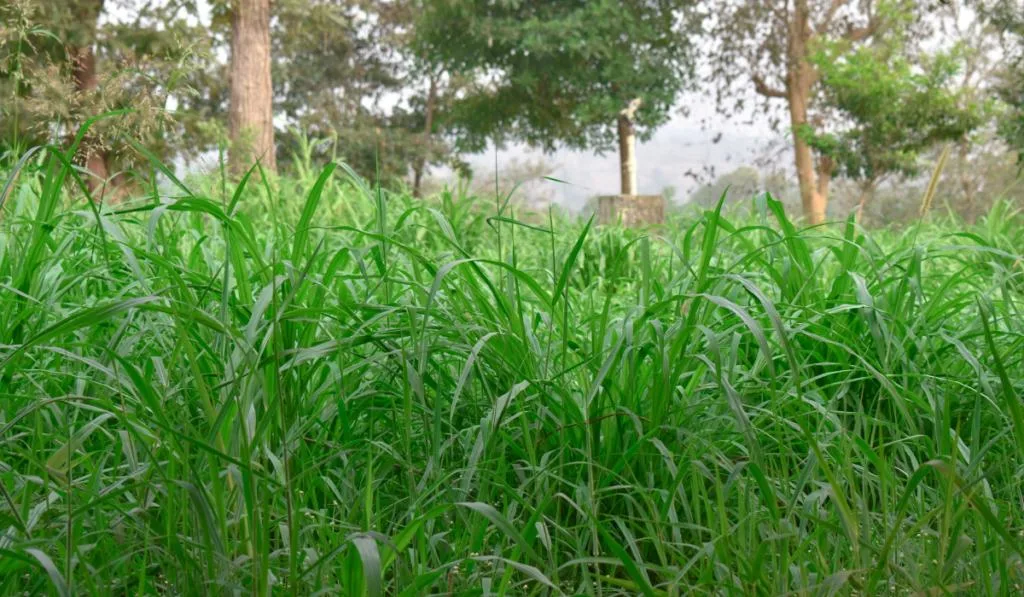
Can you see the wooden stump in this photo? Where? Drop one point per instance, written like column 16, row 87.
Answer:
column 633, row 211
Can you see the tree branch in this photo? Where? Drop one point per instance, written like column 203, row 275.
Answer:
column 855, row 34
column 764, row 89
column 830, row 14
column 629, row 112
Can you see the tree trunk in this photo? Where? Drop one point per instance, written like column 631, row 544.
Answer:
column 251, row 114
column 826, row 166
column 83, row 69
column 866, row 192
column 967, row 182
column 627, row 156
column 96, row 157
column 811, row 197
column 428, row 128
column 627, row 148
column 417, row 177
column 800, row 78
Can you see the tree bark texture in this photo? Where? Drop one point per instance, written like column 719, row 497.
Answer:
column 627, row 148
column 251, row 115
column 800, row 78
column 867, row 190
column 428, row 129
column 87, row 81
column 86, row 76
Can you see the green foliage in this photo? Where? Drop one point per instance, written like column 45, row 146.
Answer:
column 140, row 66
column 1008, row 18
column 333, row 62
column 322, row 387
column 559, row 73
column 338, row 67
column 894, row 109
column 751, row 43
column 1011, row 126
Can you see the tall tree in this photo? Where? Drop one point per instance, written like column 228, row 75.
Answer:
column 57, row 43
column 347, row 77
column 63, row 62
column 1008, row 18
column 251, row 112
column 586, row 75
column 430, row 108
column 891, row 110
column 767, row 45
column 427, row 115
column 83, row 64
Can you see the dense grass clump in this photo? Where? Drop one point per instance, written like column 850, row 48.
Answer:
column 319, row 387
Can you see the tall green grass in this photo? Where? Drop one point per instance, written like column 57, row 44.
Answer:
column 319, row 387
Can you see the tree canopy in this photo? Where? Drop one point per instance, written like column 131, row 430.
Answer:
column 559, row 73
column 393, row 87
column 769, row 47
column 890, row 110
column 1008, row 18
column 60, row 63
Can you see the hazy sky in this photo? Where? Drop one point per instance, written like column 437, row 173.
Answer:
column 679, row 147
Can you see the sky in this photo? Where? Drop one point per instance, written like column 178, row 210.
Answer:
column 680, row 147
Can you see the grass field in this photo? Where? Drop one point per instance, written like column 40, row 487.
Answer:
column 325, row 388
